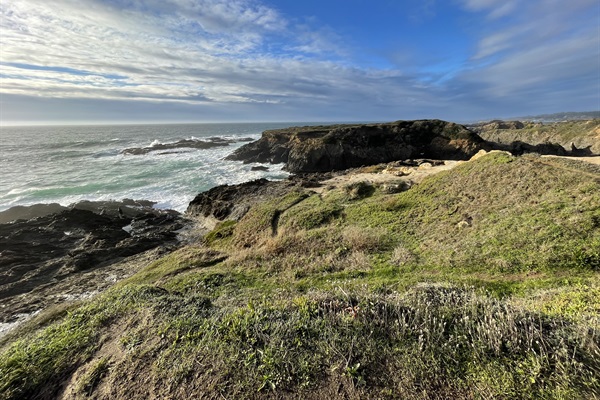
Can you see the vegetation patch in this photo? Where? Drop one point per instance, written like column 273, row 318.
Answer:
column 479, row 280
column 434, row 341
column 311, row 213
column 262, row 220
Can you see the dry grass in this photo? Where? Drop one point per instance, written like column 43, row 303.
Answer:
column 432, row 342
column 323, row 297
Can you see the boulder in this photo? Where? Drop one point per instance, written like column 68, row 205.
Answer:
column 338, row 147
column 231, row 202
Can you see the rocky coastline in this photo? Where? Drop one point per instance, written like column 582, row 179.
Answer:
column 48, row 249
column 45, row 247
column 339, row 147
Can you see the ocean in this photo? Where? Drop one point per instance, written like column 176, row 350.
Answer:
column 67, row 164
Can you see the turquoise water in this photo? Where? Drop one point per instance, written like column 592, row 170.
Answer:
column 66, row 164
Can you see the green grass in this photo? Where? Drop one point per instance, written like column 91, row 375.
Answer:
column 433, row 341
column 483, row 279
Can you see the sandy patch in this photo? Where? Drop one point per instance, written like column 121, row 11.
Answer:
column 409, row 174
column 591, row 160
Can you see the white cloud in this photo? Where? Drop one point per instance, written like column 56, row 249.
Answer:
column 545, row 55
column 241, row 53
column 495, row 8
column 172, row 50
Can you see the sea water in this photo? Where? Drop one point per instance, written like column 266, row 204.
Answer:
column 67, row 164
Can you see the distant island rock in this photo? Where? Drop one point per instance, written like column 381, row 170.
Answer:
column 338, row 147
column 208, row 143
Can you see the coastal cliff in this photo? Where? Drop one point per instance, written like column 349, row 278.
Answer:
column 338, row 147
column 414, row 279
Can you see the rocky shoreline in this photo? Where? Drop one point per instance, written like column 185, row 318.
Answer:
column 50, row 246
column 51, row 254
column 339, row 147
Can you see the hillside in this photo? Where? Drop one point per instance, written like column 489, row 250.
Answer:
column 561, row 116
column 581, row 134
column 482, row 281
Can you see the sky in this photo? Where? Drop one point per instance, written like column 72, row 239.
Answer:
column 150, row 61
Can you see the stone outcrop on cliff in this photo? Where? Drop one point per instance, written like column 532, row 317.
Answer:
column 233, row 201
column 337, row 147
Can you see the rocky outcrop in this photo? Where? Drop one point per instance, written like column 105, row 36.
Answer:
column 337, row 147
column 124, row 208
column 45, row 250
column 233, row 201
column 207, row 143
column 572, row 138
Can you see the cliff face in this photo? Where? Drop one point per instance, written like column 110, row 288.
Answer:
column 337, row 147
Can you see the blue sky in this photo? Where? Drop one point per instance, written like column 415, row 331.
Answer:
column 106, row 61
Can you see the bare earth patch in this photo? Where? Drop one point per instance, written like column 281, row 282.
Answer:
column 412, row 175
column 591, row 160
column 407, row 174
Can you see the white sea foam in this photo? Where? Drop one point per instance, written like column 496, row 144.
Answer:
column 39, row 167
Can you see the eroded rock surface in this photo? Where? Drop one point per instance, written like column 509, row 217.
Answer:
column 44, row 251
column 568, row 138
column 233, row 201
column 338, row 147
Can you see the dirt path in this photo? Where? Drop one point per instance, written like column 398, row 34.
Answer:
column 413, row 175
column 591, row 160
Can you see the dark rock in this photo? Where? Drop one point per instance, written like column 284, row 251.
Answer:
column 185, row 143
column 259, row 168
column 29, row 212
column 583, row 152
column 518, row 148
column 126, row 207
column 337, row 147
column 47, row 249
column 233, row 201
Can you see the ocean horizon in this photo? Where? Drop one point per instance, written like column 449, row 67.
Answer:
column 66, row 164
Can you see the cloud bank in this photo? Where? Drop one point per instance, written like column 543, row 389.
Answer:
column 245, row 60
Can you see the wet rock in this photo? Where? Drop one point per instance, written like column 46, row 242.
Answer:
column 185, row 143
column 48, row 249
